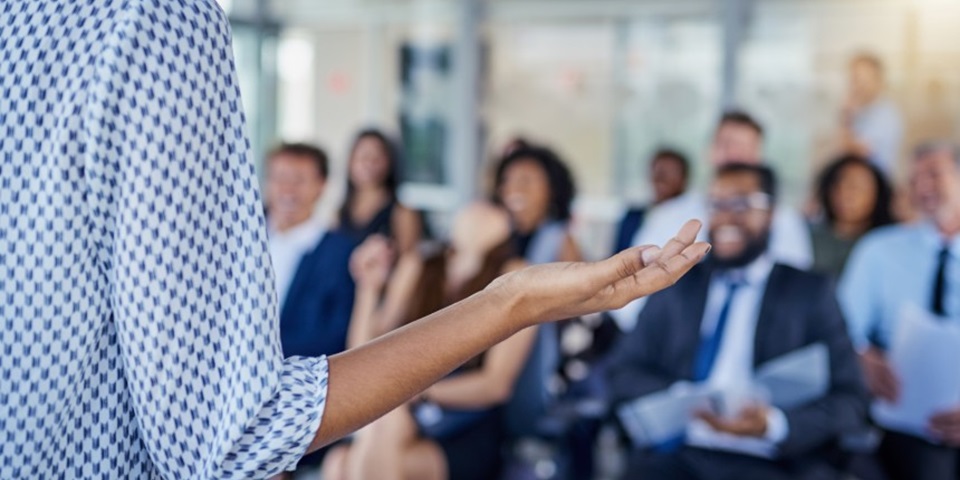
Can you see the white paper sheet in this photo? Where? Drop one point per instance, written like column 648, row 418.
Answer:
column 796, row 378
column 663, row 416
column 787, row 381
column 925, row 355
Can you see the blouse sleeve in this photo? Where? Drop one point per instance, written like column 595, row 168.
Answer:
column 193, row 298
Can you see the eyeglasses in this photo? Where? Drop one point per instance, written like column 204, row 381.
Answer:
column 741, row 205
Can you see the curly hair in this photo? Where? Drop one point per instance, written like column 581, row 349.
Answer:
column 882, row 213
column 562, row 186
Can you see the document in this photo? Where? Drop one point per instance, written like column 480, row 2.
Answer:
column 924, row 354
column 662, row 417
column 796, row 378
column 789, row 381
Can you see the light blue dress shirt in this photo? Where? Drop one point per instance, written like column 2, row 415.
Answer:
column 890, row 268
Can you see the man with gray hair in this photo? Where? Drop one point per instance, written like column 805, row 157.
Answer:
column 901, row 267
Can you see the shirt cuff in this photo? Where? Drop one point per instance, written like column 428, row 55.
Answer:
column 777, row 426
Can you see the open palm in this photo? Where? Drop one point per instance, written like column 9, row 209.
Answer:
column 563, row 290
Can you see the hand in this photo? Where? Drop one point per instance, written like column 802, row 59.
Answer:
column 371, row 263
column 751, row 422
column 881, row 379
column 945, row 426
column 566, row 290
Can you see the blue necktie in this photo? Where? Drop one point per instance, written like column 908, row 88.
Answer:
column 710, row 343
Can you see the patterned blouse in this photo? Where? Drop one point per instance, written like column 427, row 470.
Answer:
column 138, row 316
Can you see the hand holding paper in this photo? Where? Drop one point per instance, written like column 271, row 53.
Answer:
column 880, row 377
column 750, row 422
column 945, row 427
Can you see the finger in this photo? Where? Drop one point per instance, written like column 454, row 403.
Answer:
column 666, row 270
column 946, row 420
column 628, row 262
column 656, row 277
column 889, row 384
column 683, row 239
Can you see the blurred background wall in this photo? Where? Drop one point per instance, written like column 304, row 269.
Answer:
column 602, row 81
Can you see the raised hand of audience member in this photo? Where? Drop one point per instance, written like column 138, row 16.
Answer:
column 371, row 263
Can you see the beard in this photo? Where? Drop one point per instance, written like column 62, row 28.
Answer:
column 754, row 248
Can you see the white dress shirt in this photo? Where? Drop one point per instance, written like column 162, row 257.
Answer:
column 789, row 239
column 732, row 370
column 880, row 127
column 288, row 248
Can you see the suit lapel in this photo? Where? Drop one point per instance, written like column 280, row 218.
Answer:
column 693, row 308
column 301, row 280
column 773, row 298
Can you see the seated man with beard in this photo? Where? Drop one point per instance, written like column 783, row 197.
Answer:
column 731, row 314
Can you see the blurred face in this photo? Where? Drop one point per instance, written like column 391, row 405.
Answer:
column 735, row 142
column 854, row 195
column 865, row 82
column 526, row 192
column 369, row 163
column 935, row 183
column 740, row 215
column 667, row 177
column 293, row 187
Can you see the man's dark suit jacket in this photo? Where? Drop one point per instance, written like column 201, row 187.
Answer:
column 798, row 309
column 316, row 312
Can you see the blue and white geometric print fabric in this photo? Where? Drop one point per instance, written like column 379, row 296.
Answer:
column 138, row 319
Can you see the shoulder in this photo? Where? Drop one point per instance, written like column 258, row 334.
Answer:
column 884, row 240
column 339, row 240
column 799, row 278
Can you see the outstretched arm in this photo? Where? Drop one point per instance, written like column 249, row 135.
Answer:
column 371, row 380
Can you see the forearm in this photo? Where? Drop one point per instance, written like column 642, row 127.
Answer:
column 371, row 380
column 362, row 325
column 474, row 390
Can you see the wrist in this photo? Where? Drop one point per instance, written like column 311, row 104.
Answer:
column 510, row 294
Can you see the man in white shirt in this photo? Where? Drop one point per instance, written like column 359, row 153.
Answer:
column 311, row 264
column 738, row 139
column 735, row 312
column 896, row 268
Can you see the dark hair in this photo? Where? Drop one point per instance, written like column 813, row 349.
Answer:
column 431, row 294
column 392, row 180
column 870, row 59
column 740, row 117
column 666, row 153
column 882, row 213
column 765, row 175
column 562, row 187
column 312, row 152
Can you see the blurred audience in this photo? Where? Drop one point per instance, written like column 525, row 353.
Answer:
column 455, row 429
column 729, row 315
column 537, row 189
column 669, row 175
column 854, row 198
column 910, row 265
column 310, row 262
column 872, row 127
column 737, row 139
column 371, row 205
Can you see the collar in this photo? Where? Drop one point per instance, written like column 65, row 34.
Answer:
column 932, row 239
column 304, row 235
column 753, row 274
